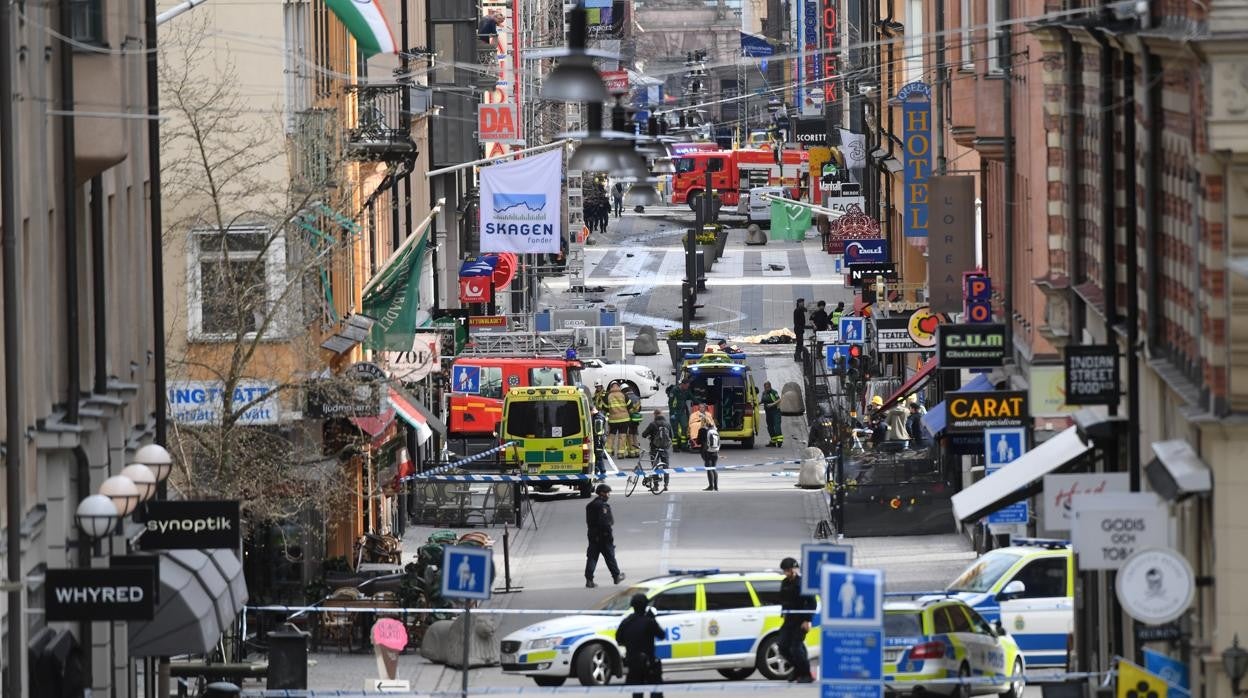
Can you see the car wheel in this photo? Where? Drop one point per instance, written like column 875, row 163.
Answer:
column 748, row 443
column 736, row 674
column 1017, row 682
column 771, row 664
column 550, row 681
column 962, row 690
column 593, row 665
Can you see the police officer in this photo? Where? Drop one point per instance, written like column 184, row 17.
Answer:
column 836, row 315
column 637, row 633
column 599, row 423
column 796, row 609
column 599, row 524
column 771, row 405
column 678, row 407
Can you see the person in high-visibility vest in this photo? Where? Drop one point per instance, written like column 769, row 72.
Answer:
column 771, row 405
column 617, row 421
column 836, row 315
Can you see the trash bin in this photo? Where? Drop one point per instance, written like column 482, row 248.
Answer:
column 222, row 689
column 288, row 660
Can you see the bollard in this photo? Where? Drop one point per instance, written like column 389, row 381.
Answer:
column 288, row 660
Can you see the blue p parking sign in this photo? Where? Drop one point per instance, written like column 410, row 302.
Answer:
column 466, row 572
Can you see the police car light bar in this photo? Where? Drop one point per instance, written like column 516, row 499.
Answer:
column 695, row 573
column 1048, row 543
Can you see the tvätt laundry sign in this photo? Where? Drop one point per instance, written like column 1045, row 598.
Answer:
column 520, row 209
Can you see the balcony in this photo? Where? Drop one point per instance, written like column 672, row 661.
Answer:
column 381, row 131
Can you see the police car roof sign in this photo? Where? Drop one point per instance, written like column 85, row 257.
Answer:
column 815, row 556
column 466, row 572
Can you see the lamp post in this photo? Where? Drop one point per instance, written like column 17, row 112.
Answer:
column 158, row 459
column 1235, row 664
column 123, row 493
column 97, row 516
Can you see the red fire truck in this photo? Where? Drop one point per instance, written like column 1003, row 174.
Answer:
column 735, row 172
column 478, row 384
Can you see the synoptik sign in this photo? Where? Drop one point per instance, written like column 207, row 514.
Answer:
column 172, row 525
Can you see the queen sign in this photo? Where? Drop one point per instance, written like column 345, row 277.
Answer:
column 854, row 225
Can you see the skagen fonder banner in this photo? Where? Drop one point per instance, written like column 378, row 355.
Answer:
column 520, row 205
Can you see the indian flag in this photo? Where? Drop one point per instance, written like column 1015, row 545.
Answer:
column 367, row 23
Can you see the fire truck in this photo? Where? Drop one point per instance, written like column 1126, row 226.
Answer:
column 735, row 172
column 479, row 383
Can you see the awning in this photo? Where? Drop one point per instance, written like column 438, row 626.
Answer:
column 935, row 419
column 1019, row 479
column 201, row 593
column 411, row 411
column 374, row 426
column 925, row 371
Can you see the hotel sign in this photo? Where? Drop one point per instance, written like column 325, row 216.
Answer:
column 974, row 412
column 916, row 119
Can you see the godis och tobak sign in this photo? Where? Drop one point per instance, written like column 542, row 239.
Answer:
column 974, row 412
column 916, row 111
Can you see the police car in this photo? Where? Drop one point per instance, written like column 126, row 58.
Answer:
column 723, row 621
column 943, row 638
column 1030, row 587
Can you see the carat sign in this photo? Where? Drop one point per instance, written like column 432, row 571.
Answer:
column 497, row 122
column 520, row 205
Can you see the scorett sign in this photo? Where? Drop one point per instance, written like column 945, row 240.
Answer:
column 100, row 593
column 195, row 525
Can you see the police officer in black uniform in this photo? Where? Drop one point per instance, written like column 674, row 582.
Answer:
column 598, row 524
column 796, row 609
column 637, row 634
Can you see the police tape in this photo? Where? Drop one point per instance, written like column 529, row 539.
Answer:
column 463, row 461
column 433, row 476
column 403, row 611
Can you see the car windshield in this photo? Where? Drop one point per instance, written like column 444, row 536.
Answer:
column 684, row 165
column 544, row 419
column 622, row 600
column 984, row 572
column 903, row 624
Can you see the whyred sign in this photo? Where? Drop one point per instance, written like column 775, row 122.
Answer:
column 616, row 80
column 497, row 122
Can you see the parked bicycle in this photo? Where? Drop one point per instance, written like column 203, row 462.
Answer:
column 652, row 480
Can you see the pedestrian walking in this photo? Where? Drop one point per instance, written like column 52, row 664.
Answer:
column 796, row 610
column 914, row 423
column 659, row 434
column 599, row 422
column 771, row 406
column 617, row 199
column 819, row 319
column 637, row 633
column 678, row 407
column 634, row 422
column 710, row 456
column 599, row 525
column 799, row 329
column 617, row 421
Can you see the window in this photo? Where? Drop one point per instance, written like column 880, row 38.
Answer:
column 978, row 624
column 492, row 382
column 984, row 572
column 677, row 599
column 995, row 34
column 714, row 165
column 723, row 596
column 236, row 279
column 958, row 619
column 964, row 34
column 684, row 165
column 903, row 625
column 86, row 21
column 545, row 377
column 768, row 592
column 444, row 60
column 940, row 622
column 1044, row 578
column 913, row 47
column 544, row 420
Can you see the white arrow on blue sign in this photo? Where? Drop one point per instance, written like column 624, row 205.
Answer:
column 815, row 556
column 466, row 572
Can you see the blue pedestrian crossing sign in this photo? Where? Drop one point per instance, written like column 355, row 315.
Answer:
column 1003, row 446
column 466, row 572
column 837, row 354
column 852, row 597
column 815, row 556
column 853, row 330
column 466, row 379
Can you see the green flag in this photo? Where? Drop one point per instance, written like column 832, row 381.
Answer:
column 392, row 298
column 789, row 221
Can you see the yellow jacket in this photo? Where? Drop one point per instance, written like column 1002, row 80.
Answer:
column 617, row 406
column 698, row 420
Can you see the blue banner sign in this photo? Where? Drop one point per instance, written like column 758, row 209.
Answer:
column 916, row 119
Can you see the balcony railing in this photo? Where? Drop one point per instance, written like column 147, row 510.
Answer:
column 382, row 132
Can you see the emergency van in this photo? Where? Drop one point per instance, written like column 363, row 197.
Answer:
column 724, row 383
column 479, row 383
column 1030, row 587
column 551, row 433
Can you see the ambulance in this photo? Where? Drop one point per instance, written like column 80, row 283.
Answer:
column 550, row 433
column 724, row 383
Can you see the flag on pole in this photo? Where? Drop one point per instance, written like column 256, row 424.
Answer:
column 367, row 23
column 789, row 221
column 392, row 298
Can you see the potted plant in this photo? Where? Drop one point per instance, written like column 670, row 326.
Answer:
column 706, row 243
column 680, row 342
column 721, row 237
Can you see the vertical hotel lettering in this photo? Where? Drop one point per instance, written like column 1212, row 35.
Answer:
column 831, row 42
column 916, row 116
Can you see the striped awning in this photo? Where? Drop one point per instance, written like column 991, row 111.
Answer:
column 409, row 409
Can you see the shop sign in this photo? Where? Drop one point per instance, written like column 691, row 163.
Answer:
column 1046, row 386
column 423, row 358
column 950, row 239
column 866, row 251
column 477, row 322
column 842, row 203
column 810, row 130
column 892, row 336
column 977, row 297
column 1109, row 529
column 1060, row 492
column 971, row 346
column 868, row 271
column 365, row 371
column 1156, row 586
column 974, row 412
column 201, row 403
column 616, row 81
column 497, row 122
column 100, row 593
column 916, row 119
column 831, row 43
column 1092, row 375
column 332, row 399
column 923, row 324
column 189, row 525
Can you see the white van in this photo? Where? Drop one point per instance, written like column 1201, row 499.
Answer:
column 757, row 208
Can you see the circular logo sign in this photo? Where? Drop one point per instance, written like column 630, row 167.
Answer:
column 390, row 633
column 923, row 324
column 1156, row 585
column 712, row 628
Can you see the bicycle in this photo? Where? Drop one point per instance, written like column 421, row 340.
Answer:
column 652, row 481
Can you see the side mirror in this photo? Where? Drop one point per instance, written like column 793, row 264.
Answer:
column 1012, row 590
column 998, row 628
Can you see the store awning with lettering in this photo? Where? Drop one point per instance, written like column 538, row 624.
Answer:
column 1020, row 479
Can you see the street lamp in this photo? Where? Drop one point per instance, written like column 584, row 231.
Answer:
column 1235, row 664
column 96, row 516
column 157, row 458
column 575, row 79
column 123, row 493
column 143, row 478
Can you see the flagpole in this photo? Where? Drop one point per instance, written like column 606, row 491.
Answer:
column 504, row 156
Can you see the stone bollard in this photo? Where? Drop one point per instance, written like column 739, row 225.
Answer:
column 646, row 344
column 813, row 473
column 754, row 235
column 444, row 642
column 791, row 402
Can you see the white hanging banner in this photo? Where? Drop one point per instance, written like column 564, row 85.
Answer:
column 520, row 205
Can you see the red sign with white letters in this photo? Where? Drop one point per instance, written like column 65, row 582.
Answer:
column 474, row 289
